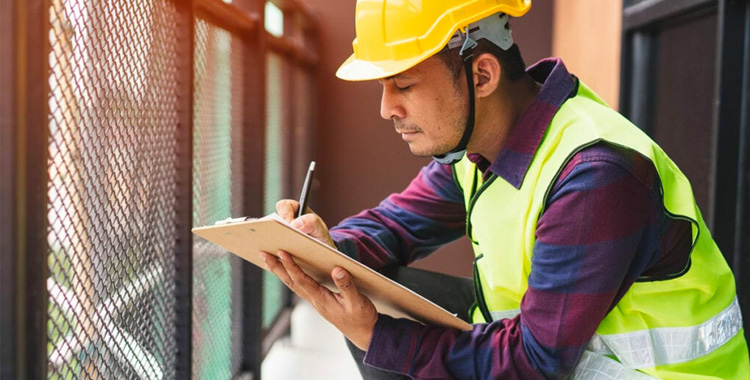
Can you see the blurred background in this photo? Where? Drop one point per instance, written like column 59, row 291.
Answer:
column 125, row 123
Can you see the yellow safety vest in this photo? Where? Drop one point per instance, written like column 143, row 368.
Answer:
column 686, row 327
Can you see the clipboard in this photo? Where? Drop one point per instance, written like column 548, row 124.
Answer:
column 271, row 233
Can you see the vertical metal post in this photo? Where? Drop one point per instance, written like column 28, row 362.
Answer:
column 625, row 67
column 184, row 215
column 254, row 136
column 741, row 264
column 723, row 214
column 31, row 139
column 9, row 254
column 637, row 94
column 743, row 235
column 292, row 148
column 742, row 228
column 239, row 67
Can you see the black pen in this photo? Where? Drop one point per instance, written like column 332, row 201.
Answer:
column 303, row 198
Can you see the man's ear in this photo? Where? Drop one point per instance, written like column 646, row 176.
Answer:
column 487, row 72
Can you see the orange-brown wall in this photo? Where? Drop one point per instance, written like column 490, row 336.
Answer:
column 587, row 37
column 360, row 158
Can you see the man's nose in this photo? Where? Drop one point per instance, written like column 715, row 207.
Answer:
column 389, row 107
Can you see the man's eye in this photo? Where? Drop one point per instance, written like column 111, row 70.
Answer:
column 403, row 88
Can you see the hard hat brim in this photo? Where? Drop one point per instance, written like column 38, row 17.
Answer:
column 354, row 69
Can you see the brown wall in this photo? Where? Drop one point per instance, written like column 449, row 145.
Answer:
column 587, row 37
column 360, row 158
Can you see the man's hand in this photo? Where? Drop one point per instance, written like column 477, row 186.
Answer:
column 309, row 223
column 350, row 311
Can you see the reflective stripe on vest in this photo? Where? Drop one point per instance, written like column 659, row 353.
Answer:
column 670, row 345
column 664, row 345
column 508, row 314
column 593, row 366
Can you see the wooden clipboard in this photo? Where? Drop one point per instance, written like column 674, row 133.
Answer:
column 270, row 234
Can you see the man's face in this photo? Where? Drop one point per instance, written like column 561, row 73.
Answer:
column 427, row 109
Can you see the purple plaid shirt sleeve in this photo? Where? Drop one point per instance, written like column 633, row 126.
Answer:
column 406, row 226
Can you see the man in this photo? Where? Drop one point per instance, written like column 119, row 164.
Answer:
column 592, row 260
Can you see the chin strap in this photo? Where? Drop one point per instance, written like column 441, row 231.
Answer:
column 455, row 155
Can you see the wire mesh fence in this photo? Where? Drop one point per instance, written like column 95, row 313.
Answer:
column 112, row 180
column 149, row 114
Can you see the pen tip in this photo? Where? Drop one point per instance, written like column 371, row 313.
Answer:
column 312, row 165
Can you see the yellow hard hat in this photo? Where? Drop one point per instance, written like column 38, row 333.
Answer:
column 395, row 35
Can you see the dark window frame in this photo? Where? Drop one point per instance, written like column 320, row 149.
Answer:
column 728, row 216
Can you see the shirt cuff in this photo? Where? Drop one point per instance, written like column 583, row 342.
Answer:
column 344, row 244
column 393, row 344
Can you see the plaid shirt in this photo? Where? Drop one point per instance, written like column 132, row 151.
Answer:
column 603, row 227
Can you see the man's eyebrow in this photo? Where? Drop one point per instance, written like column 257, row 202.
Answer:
column 399, row 75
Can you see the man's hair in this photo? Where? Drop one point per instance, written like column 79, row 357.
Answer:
column 511, row 61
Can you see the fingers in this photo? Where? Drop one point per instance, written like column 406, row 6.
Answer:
column 300, row 281
column 345, row 283
column 274, row 266
column 287, row 209
column 351, row 312
column 313, row 225
column 310, row 223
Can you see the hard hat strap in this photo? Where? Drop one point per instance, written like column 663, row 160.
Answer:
column 467, row 53
column 455, row 155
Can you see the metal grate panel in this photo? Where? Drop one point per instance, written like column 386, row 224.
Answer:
column 114, row 106
column 216, row 190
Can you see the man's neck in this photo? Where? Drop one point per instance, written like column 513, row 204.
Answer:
column 498, row 114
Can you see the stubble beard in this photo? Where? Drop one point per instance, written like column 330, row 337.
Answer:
column 441, row 148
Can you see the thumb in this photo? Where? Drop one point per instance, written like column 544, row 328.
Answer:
column 305, row 223
column 344, row 282
column 312, row 225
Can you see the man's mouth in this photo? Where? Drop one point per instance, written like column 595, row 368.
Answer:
column 407, row 130
column 408, row 134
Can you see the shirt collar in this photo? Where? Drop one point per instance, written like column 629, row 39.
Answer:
column 514, row 158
